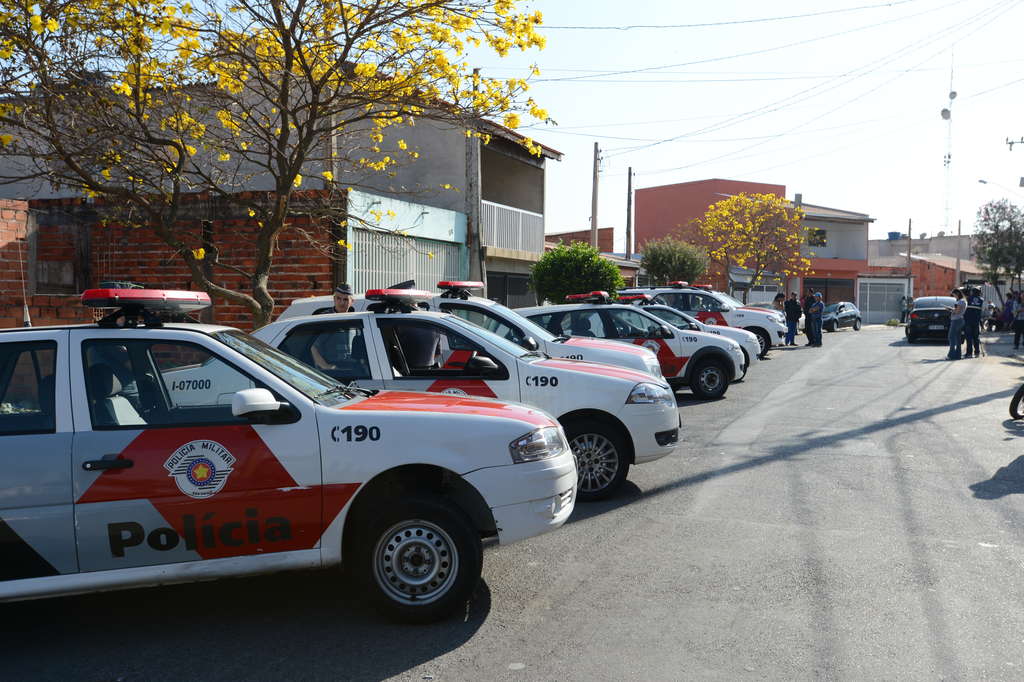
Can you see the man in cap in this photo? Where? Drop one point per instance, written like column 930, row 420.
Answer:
column 342, row 301
column 815, row 312
column 972, row 322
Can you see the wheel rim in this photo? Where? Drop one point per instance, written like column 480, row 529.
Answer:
column 597, row 461
column 415, row 562
column 710, row 379
column 762, row 342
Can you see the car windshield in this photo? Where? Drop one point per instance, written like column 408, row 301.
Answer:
column 831, row 307
column 530, row 327
column 300, row 376
column 501, row 342
column 671, row 316
column 726, row 298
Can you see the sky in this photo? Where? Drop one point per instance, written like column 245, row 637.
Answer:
column 843, row 107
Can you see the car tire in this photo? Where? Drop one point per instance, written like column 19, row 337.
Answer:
column 762, row 338
column 830, row 327
column 746, row 366
column 856, row 325
column 419, row 559
column 1015, row 404
column 709, row 380
column 602, row 458
column 911, row 338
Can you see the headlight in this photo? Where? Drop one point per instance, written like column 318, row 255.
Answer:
column 648, row 394
column 654, row 367
column 543, row 443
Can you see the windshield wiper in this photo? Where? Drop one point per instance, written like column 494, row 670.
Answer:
column 560, row 339
column 340, row 388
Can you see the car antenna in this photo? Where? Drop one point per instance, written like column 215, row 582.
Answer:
column 26, row 317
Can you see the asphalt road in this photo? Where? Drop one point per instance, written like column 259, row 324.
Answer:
column 848, row 512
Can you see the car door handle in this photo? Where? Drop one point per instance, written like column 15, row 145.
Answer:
column 108, row 462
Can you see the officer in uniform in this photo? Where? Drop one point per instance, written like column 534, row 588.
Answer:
column 972, row 323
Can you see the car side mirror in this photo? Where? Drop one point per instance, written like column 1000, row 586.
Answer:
column 659, row 332
column 530, row 343
column 260, row 406
column 481, row 365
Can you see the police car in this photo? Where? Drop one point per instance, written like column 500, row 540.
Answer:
column 747, row 341
column 707, row 363
column 456, row 298
column 613, row 417
column 714, row 307
column 141, row 452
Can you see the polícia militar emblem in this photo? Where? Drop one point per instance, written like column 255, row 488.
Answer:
column 200, row 468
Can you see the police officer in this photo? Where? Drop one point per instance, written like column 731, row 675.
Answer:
column 342, row 301
column 972, row 322
column 817, row 309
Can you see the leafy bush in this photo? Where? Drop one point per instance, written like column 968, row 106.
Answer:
column 893, row 323
column 574, row 269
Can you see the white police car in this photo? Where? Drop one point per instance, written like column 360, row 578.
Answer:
column 456, row 298
column 705, row 362
column 124, row 467
column 714, row 307
column 613, row 417
column 748, row 341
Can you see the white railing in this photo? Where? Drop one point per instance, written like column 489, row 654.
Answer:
column 505, row 227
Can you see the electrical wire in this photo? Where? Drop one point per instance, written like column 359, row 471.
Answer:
column 734, row 22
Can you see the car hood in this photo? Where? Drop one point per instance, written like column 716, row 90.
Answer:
column 407, row 401
column 597, row 369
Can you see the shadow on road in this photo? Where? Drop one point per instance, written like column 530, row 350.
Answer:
column 286, row 626
column 1008, row 480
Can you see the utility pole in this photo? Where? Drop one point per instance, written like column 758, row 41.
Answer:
column 1010, row 144
column 474, row 230
column 956, row 282
column 910, row 249
column 593, row 196
column 947, row 115
column 629, row 214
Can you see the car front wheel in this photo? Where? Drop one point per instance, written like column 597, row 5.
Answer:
column 763, row 339
column 602, row 461
column 420, row 558
column 856, row 325
column 709, row 380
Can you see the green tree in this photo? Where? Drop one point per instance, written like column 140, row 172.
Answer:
column 574, row 269
column 999, row 239
column 671, row 259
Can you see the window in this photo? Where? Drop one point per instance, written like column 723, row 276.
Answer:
column 586, row 323
column 703, row 303
column 142, row 384
column 630, row 324
column 338, row 349
column 27, row 390
column 422, row 349
column 817, row 237
column 482, row 318
column 554, row 323
column 673, row 318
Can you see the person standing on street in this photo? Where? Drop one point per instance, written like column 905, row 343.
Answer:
column 904, row 309
column 972, row 323
column 808, row 329
column 793, row 314
column 956, row 324
column 1018, row 322
column 816, row 311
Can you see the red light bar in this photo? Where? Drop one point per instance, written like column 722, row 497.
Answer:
column 460, row 285
column 397, row 294
column 150, row 299
column 593, row 295
column 679, row 283
column 705, row 287
column 635, row 297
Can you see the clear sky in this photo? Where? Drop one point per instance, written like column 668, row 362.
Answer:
column 843, row 107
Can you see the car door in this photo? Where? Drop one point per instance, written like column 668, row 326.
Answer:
column 423, row 355
column 634, row 327
column 37, row 532
column 342, row 349
column 164, row 473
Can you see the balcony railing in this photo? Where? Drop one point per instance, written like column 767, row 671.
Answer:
column 505, row 227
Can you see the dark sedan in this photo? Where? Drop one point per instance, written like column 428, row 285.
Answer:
column 839, row 315
column 929, row 318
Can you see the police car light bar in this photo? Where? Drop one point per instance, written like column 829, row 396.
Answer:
column 592, row 297
column 412, row 295
column 641, row 298
column 460, row 285
column 149, row 299
column 679, row 284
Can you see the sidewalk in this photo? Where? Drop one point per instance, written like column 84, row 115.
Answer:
column 999, row 343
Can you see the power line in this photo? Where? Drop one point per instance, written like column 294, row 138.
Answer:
column 753, row 52
column 728, row 23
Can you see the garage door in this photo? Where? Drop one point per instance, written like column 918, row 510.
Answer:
column 880, row 301
column 381, row 259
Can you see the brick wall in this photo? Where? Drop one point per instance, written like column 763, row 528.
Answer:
column 66, row 248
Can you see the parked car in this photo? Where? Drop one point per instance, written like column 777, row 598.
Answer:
column 137, row 452
column 839, row 315
column 929, row 318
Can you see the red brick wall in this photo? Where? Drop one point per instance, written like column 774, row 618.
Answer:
column 669, row 209
column 605, row 238
column 118, row 252
column 930, row 279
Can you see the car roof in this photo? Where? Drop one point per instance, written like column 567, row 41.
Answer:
column 184, row 326
column 327, row 317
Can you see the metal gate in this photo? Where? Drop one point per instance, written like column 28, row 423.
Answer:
column 380, row 259
column 880, row 302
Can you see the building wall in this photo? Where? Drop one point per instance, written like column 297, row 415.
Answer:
column 947, row 246
column 510, row 181
column 930, row 279
column 843, row 240
column 605, row 238
column 669, row 209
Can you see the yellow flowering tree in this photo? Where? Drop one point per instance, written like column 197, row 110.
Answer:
column 759, row 232
column 145, row 103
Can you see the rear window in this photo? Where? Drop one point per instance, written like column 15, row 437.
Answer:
column 27, row 390
column 933, row 302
